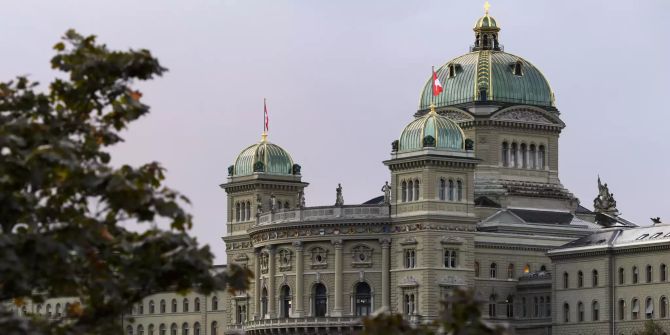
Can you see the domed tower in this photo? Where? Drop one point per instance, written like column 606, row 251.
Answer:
column 263, row 178
column 432, row 167
column 506, row 106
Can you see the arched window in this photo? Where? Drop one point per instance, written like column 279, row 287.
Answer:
column 451, row 190
column 580, row 311
column 140, row 308
column 492, row 306
column 39, row 308
column 594, row 278
column 404, row 191
column 649, row 308
column 185, row 305
column 524, row 307
column 174, row 305
column 459, row 190
column 285, row 298
column 514, row 155
column 635, row 275
column 173, row 329
column 409, row 304
column 264, row 302
column 215, row 303
column 476, row 269
column 566, row 280
column 248, row 210
column 243, row 211
column 140, row 330
column 152, row 329
column 410, row 194
column 152, row 307
column 536, row 307
column 543, row 268
column 196, row 305
column 450, row 258
column 410, row 258
column 196, row 328
column 493, row 270
column 649, row 273
column 279, row 205
column 129, row 330
column 526, row 268
column 443, row 189
column 510, row 271
column 241, row 315
column 663, row 307
column 622, row 278
column 622, row 309
column 184, row 329
column 635, row 309
column 452, row 70
column 595, row 311
column 540, row 158
column 509, row 306
column 237, row 211
column 580, row 279
column 286, row 205
column 541, row 306
column 363, row 299
column 663, row 273
column 524, row 155
column 58, row 314
column 532, row 157
column 416, row 190
column 162, row 306
column 162, row 329
column 320, row 300
column 566, row 312
column 505, row 154
column 214, row 328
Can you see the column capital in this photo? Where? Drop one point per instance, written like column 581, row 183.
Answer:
column 298, row 245
column 385, row 242
column 337, row 242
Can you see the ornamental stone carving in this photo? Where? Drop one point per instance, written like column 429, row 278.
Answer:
column 361, row 256
column 456, row 116
column 523, row 115
column 319, row 258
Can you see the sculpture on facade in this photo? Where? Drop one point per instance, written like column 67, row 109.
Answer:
column 339, row 200
column 259, row 205
column 273, row 203
column 301, row 199
column 387, row 193
column 604, row 202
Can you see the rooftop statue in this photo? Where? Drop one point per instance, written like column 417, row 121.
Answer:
column 301, row 199
column 604, row 202
column 387, row 193
column 339, row 200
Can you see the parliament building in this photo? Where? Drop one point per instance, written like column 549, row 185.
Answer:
column 474, row 201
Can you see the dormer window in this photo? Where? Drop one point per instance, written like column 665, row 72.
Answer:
column 452, row 70
column 518, row 68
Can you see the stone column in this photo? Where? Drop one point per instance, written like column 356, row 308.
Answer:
column 386, row 273
column 299, row 279
column 257, row 285
column 272, row 306
column 337, row 310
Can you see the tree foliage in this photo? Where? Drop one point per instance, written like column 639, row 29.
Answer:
column 64, row 207
column 652, row 328
column 461, row 316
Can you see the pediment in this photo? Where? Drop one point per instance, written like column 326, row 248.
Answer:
column 527, row 114
column 457, row 115
column 504, row 216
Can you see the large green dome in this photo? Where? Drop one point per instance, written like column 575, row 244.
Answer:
column 431, row 130
column 489, row 73
column 263, row 157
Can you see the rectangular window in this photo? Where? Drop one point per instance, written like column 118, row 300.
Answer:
column 410, row 258
column 450, row 258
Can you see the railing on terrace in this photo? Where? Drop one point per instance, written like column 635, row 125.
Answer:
column 302, row 322
column 324, row 213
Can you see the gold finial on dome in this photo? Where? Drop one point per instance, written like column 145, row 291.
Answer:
column 432, row 109
column 264, row 137
column 487, row 5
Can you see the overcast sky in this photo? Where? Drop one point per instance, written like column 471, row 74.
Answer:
column 342, row 79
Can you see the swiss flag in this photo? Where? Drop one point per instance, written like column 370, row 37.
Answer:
column 266, row 119
column 437, row 86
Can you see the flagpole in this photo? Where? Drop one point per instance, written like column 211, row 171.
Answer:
column 432, row 94
column 265, row 111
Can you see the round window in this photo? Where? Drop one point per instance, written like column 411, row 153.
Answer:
column 361, row 256
column 319, row 259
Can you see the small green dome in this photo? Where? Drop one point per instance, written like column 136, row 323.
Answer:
column 486, row 22
column 263, row 157
column 488, row 76
column 431, row 130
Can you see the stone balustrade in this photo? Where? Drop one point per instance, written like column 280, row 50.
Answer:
column 324, row 214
